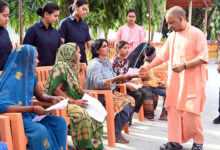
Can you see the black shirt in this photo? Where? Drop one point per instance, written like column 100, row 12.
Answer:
column 5, row 47
column 77, row 32
column 47, row 42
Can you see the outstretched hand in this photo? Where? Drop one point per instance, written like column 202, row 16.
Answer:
column 144, row 69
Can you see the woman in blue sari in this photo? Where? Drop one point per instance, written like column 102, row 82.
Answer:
column 18, row 84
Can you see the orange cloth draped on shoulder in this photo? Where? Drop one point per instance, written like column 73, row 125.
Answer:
column 186, row 90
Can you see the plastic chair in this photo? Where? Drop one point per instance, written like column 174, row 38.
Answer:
column 109, row 108
column 12, row 131
column 42, row 75
column 5, row 132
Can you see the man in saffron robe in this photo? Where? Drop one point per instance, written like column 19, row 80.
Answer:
column 186, row 52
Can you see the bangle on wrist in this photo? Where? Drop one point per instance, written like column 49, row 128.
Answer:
column 33, row 108
column 184, row 65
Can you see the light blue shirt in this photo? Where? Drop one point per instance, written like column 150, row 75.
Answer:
column 97, row 72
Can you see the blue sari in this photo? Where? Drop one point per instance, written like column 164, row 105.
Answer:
column 17, row 84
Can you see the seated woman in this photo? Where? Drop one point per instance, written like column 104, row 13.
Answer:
column 100, row 76
column 136, row 60
column 18, row 84
column 120, row 66
column 63, row 81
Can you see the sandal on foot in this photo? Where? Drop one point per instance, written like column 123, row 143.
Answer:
column 121, row 139
column 171, row 146
column 163, row 116
column 149, row 115
column 197, row 146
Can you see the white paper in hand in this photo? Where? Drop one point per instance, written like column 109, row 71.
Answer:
column 95, row 109
column 133, row 72
column 134, row 85
column 59, row 105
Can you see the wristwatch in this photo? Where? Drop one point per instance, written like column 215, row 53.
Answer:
column 184, row 64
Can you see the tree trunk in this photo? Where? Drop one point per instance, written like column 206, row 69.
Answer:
column 106, row 35
column 152, row 36
column 209, row 28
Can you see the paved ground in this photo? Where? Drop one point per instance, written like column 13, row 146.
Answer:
column 149, row 135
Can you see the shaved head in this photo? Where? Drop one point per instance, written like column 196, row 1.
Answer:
column 176, row 19
column 176, row 11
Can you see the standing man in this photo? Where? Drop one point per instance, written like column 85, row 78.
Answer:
column 217, row 120
column 186, row 52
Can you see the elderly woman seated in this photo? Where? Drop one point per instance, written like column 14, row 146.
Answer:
column 100, row 76
column 63, row 80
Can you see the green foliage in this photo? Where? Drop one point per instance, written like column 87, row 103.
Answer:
column 157, row 12
column 215, row 21
column 106, row 14
column 29, row 12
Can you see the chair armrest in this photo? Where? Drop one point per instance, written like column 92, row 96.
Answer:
column 108, row 99
column 122, row 88
column 94, row 94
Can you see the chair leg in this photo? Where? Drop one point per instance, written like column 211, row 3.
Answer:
column 141, row 114
column 126, row 129
column 5, row 131
column 110, row 119
column 18, row 136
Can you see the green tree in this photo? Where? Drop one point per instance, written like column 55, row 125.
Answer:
column 213, row 20
column 104, row 14
column 157, row 12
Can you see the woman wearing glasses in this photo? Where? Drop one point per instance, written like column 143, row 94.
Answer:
column 131, row 32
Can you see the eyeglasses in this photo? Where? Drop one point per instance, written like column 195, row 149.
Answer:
column 131, row 16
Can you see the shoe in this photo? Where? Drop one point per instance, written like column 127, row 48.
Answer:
column 197, row 146
column 171, row 146
column 120, row 139
column 217, row 120
column 149, row 115
column 163, row 116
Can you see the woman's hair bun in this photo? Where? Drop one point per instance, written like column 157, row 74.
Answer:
column 40, row 12
column 70, row 8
